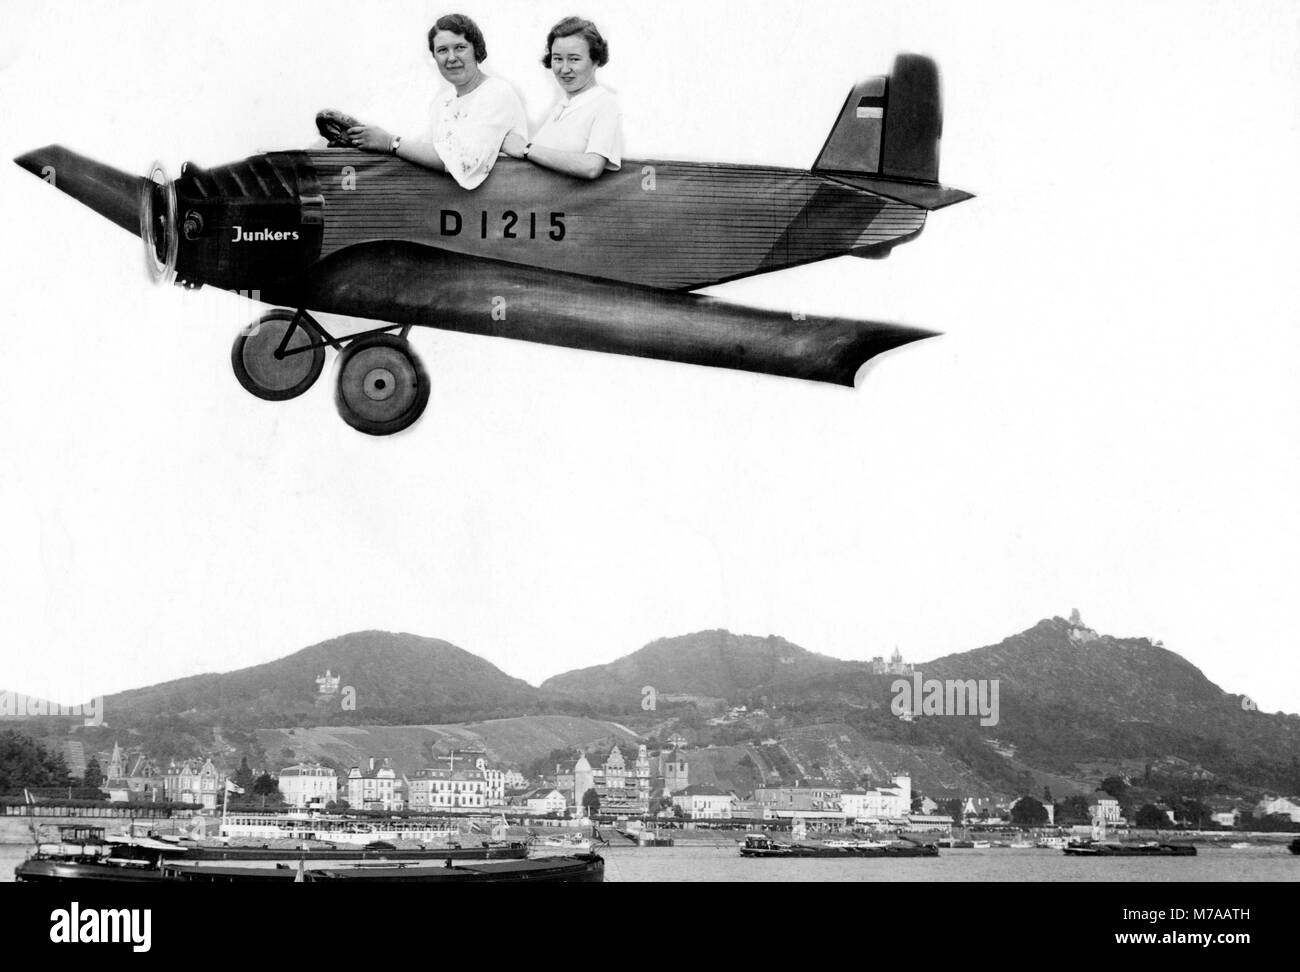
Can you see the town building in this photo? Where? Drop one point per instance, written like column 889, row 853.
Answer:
column 308, row 786
column 929, row 821
column 566, row 779
column 449, row 789
column 622, row 788
column 494, row 782
column 1105, row 807
column 980, row 808
column 783, row 799
column 704, row 802
column 514, row 780
column 194, row 782
column 131, row 777
column 375, row 788
column 1290, row 806
column 543, row 800
column 879, row 803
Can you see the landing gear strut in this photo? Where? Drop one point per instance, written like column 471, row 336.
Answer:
column 382, row 386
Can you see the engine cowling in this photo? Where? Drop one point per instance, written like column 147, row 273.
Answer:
column 242, row 226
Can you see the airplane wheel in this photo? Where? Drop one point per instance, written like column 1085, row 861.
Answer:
column 382, row 386
column 255, row 364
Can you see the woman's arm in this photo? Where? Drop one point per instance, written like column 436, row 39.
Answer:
column 421, row 153
column 372, row 138
column 583, row 165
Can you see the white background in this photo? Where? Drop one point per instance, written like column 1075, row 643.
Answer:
column 1108, row 422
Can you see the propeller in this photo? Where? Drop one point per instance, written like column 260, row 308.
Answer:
column 158, row 224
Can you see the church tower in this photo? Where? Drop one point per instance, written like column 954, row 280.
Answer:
column 643, row 775
column 676, row 774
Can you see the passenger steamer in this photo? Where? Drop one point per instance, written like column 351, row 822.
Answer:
column 336, row 828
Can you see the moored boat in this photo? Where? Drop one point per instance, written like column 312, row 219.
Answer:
column 84, row 854
column 575, row 868
column 572, row 869
column 375, row 851
column 559, row 844
column 1152, row 848
column 761, row 845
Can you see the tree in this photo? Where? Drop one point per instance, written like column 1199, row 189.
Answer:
column 244, row 776
column 591, row 802
column 952, row 808
column 93, row 778
column 1114, row 786
column 1047, row 795
column 25, row 762
column 1151, row 817
column 1073, row 809
column 267, row 788
column 1028, row 812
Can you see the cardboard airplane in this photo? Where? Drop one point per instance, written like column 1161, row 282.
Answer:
column 531, row 254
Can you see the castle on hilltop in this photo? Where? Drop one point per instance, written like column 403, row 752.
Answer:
column 1079, row 632
column 327, row 684
column 895, row 665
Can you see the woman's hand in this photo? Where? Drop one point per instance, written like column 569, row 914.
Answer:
column 370, row 138
column 514, row 145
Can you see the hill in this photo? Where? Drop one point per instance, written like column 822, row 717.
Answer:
column 1069, row 695
column 711, row 664
column 400, row 679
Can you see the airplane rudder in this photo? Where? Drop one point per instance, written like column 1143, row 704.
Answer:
column 915, row 120
column 889, row 126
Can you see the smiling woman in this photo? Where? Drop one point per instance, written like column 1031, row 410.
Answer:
column 471, row 123
column 583, row 136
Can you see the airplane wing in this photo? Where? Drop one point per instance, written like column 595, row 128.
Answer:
column 414, row 284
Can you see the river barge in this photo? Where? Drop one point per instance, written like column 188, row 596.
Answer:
column 1116, row 849
column 761, row 845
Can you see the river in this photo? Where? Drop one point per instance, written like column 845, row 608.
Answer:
column 703, row 862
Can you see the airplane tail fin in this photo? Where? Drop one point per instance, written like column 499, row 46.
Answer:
column 886, row 138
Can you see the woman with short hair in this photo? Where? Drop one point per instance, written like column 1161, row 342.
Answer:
column 583, row 135
column 470, row 123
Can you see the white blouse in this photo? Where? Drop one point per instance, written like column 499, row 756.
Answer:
column 468, row 131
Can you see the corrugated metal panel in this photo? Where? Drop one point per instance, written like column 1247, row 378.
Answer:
column 675, row 225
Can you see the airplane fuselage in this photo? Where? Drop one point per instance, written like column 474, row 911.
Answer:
column 667, row 225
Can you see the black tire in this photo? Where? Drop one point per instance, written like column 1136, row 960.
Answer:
column 253, row 358
column 382, row 386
